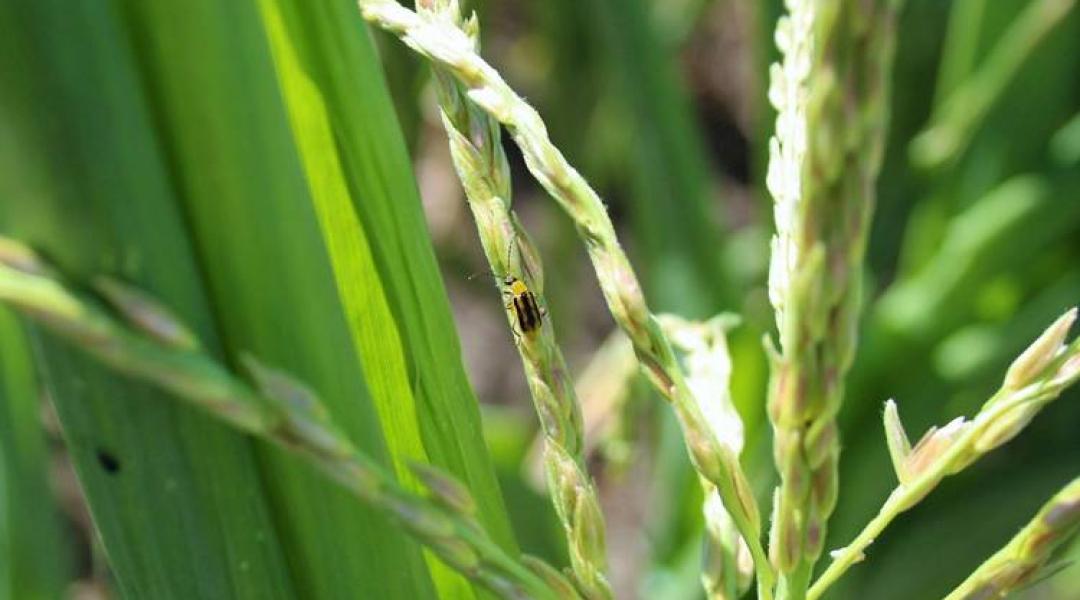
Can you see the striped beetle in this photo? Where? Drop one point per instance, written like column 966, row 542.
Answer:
column 522, row 302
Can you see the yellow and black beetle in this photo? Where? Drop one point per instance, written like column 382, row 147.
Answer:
column 522, row 302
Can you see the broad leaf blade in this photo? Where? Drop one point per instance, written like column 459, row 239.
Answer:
column 269, row 276
column 362, row 186
column 176, row 497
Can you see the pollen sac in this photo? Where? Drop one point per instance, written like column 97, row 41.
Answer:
column 447, row 490
column 935, row 443
column 146, row 314
column 1038, row 356
column 553, row 578
column 22, row 258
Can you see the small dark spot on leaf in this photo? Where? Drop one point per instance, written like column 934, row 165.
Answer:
column 110, row 463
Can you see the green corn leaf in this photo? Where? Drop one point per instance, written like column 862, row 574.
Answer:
column 255, row 229
column 176, row 497
column 361, row 184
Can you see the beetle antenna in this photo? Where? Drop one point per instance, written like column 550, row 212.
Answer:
column 509, row 252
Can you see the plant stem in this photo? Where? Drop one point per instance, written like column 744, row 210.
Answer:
column 830, row 91
column 727, row 566
column 1035, row 378
column 853, row 552
column 901, row 498
column 1023, row 559
column 453, row 50
column 482, row 167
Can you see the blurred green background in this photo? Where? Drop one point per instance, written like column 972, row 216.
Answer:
column 661, row 104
